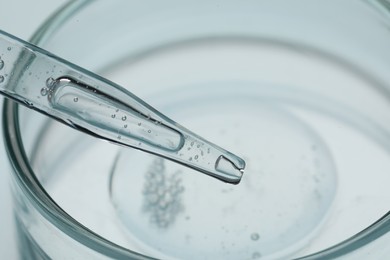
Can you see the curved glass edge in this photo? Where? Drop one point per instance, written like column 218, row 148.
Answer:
column 36, row 194
column 361, row 239
column 28, row 183
column 62, row 14
column 382, row 7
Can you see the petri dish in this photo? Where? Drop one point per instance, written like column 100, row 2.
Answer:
column 303, row 103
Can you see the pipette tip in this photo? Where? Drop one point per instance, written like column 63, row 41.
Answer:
column 230, row 169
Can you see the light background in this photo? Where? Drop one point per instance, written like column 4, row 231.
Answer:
column 21, row 18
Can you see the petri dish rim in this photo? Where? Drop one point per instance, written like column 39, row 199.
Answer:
column 33, row 190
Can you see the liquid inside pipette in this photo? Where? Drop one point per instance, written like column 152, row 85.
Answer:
column 124, row 122
column 96, row 106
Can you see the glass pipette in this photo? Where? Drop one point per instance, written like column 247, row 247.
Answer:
column 99, row 107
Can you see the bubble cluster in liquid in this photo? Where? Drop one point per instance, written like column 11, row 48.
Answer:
column 48, row 89
column 192, row 149
column 162, row 194
column 50, row 82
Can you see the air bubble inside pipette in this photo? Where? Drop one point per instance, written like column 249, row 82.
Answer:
column 88, row 104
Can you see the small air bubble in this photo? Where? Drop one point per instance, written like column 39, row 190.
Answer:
column 75, row 99
column 113, row 115
column 196, row 157
column 1, row 64
column 125, row 126
column 1, row 78
column 44, row 91
column 149, row 131
column 256, row 255
column 50, row 82
column 255, row 236
column 124, row 118
column 190, row 159
column 9, row 48
column 139, row 124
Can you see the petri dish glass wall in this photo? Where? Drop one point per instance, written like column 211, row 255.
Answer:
column 300, row 89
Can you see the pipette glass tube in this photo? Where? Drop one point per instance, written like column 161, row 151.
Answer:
column 96, row 106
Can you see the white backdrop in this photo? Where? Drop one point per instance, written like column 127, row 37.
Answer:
column 21, row 18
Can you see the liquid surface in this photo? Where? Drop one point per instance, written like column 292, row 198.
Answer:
column 305, row 141
column 172, row 208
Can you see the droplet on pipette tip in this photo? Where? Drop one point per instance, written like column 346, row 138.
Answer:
column 231, row 171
